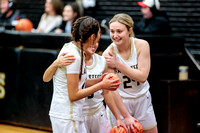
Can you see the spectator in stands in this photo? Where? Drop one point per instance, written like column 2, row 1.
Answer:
column 52, row 16
column 70, row 13
column 154, row 21
column 9, row 14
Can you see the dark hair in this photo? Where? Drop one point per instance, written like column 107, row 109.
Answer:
column 82, row 29
column 76, row 9
column 154, row 11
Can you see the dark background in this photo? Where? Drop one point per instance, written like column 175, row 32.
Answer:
column 183, row 14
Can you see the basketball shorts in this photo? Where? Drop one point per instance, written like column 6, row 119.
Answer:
column 67, row 126
column 140, row 108
column 97, row 122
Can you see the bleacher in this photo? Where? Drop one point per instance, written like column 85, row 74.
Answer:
column 183, row 14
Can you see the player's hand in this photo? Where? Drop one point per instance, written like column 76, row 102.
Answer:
column 64, row 60
column 110, row 84
column 121, row 123
column 130, row 123
column 111, row 60
column 102, row 76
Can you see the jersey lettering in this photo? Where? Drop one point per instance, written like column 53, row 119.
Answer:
column 135, row 66
column 91, row 76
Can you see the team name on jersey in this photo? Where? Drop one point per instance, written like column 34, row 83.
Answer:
column 91, row 76
column 133, row 66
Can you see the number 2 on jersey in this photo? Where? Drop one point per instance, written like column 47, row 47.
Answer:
column 127, row 80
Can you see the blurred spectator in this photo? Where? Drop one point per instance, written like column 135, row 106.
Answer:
column 9, row 14
column 70, row 13
column 154, row 21
column 52, row 16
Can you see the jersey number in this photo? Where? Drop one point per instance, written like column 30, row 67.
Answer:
column 128, row 81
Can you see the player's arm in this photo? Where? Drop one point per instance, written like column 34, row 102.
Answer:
column 62, row 60
column 140, row 74
column 106, row 54
column 128, row 119
column 75, row 93
column 108, row 98
column 93, row 81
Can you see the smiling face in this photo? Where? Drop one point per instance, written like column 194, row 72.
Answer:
column 119, row 33
column 92, row 44
column 92, row 49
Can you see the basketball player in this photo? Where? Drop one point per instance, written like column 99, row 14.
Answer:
column 129, row 58
column 95, row 117
column 68, row 96
column 93, row 110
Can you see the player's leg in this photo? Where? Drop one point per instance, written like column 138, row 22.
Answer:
column 144, row 113
column 152, row 130
column 140, row 108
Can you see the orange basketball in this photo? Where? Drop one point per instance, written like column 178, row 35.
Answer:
column 139, row 126
column 24, row 25
column 112, row 76
column 118, row 129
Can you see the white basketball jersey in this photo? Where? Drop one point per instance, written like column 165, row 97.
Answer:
column 61, row 106
column 130, row 88
column 94, row 71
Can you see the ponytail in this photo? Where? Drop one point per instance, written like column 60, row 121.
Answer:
column 82, row 29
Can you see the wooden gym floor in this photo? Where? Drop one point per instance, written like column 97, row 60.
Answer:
column 4, row 128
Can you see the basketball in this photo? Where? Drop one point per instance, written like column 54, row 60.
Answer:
column 118, row 129
column 112, row 76
column 24, row 25
column 139, row 126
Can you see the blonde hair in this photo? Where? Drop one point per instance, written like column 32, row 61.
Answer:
column 124, row 19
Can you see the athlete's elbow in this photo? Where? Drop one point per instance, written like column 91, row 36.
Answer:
column 142, row 80
column 72, row 98
column 45, row 79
